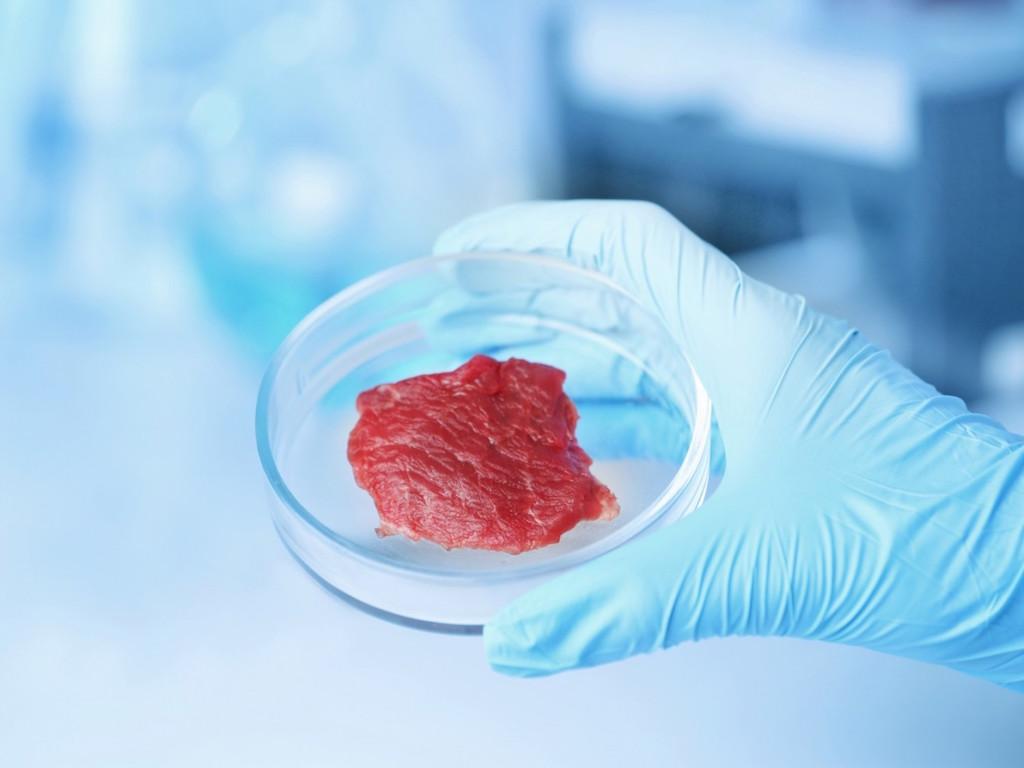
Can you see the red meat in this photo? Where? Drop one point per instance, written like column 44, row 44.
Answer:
column 483, row 457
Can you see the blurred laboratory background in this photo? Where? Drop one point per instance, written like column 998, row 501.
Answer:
column 181, row 182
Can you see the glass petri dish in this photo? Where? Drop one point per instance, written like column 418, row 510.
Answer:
column 645, row 419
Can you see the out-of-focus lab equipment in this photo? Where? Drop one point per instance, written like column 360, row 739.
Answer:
column 875, row 142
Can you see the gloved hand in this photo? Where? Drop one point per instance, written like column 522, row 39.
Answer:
column 859, row 505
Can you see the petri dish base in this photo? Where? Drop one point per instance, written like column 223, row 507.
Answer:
column 644, row 418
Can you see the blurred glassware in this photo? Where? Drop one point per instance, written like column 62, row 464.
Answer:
column 254, row 156
column 336, row 139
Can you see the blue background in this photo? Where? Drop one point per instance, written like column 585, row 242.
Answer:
column 181, row 182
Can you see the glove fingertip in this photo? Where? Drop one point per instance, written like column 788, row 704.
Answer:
column 450, row 241
column 507, row 650
column 473, row 233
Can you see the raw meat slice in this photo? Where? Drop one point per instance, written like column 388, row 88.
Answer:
column 484, row 456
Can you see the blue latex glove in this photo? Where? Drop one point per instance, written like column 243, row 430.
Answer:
column 859, row 506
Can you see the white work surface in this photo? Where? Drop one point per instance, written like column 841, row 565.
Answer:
column 151, row 617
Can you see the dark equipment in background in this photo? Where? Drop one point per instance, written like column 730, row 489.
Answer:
column 942, row 231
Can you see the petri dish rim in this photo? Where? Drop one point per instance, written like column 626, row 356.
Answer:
column 688, row 468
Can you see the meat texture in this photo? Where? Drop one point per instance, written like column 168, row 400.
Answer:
column 484, row 456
